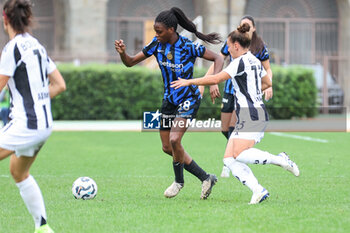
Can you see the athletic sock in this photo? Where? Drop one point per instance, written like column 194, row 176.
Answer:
column 243, row 173
column 256, row 156
column 230, row 130
column 178, row 170
column 33, row 199
column 196, row 170
column 225, row 133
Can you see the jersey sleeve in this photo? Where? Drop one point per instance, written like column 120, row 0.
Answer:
column 7, row 61
column 262, row 72
column 197, row 50
column 224, row 49
column 150, row 49
column 235, row 67
column 263, row 54
column 51, row 67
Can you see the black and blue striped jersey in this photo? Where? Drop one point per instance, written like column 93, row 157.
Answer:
column 262, row 55
column 176, row 61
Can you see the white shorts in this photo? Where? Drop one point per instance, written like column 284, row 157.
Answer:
column 15, row 136
column 252, row 130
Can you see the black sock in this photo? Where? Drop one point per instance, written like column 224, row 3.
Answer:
column 196, row 170
column 43, row 221
column 230, row 130
column 225, row 133
column 179, row 172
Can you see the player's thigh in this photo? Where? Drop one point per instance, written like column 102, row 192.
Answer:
column 236, row 145
column 225, row 120
column 5, row 153
column 233, row 119
column 178, row 129
column 164, row 137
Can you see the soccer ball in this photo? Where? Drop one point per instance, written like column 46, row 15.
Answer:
column 84, row 188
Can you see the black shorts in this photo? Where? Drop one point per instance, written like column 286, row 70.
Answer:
column 228, row 103
column 187, row 109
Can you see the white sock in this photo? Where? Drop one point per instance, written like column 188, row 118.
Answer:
column 33, row 199
column 256, row 156
column 243, row 173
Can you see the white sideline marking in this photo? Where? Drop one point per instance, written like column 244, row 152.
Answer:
column 305, row 138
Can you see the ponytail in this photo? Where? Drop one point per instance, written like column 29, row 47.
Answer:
column 175, row 16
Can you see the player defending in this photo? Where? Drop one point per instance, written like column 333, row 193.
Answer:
column 32, row 79
column 249, row 80
column 176, row 55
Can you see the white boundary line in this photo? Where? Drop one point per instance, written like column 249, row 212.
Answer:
column 305, row 138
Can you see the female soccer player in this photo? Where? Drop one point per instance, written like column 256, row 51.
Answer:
column 249, row 79
column 259, row 49
column 32, row 79
column 176, row 55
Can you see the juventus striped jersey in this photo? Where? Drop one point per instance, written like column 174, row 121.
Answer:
column 246, row 72
column 176, row 61
column 262, row 55
column 25, row 61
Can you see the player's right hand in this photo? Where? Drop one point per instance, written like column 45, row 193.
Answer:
column 119, row 46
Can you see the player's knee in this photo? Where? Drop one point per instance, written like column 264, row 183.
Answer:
column 167, row 149
column 17, row 175
column 175, row 141
column 236, row 153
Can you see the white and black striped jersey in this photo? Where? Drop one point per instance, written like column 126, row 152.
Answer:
column 246, row 72
column 27, row 64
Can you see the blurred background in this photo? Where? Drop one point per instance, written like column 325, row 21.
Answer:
column 313, row 33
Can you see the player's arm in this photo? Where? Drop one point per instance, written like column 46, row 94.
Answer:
column 205, row 81
column 3, row 81
column 266, row 82
column 213, row 69
column 57, row 83
column 268, row 92
column 127, row 59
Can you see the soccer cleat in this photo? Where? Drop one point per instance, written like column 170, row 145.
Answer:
column 291, row 166
column 207, row 185
column 225, row 172
column 44, row 229
column 173, row 189
column 259, row 197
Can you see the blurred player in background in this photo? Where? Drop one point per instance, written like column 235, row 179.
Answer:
column 176, row 56
column 249, row 80
column 32, row 79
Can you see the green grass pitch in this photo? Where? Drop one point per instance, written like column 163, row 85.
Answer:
column 132, row 172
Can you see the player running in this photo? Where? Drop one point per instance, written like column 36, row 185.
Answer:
column 32, row 79
column 176, row 55
column 249, row 80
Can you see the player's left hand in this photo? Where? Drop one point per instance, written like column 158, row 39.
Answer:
column 214, row 92
column 268, row 93
column 180, row 83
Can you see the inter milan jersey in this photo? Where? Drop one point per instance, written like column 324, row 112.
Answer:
column 26, row 62
column 262, row 55
column 176, row 61
column 246, row 72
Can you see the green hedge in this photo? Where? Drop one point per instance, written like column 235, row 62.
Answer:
column 294, row 93
column 111, row 92
column 115, row 92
